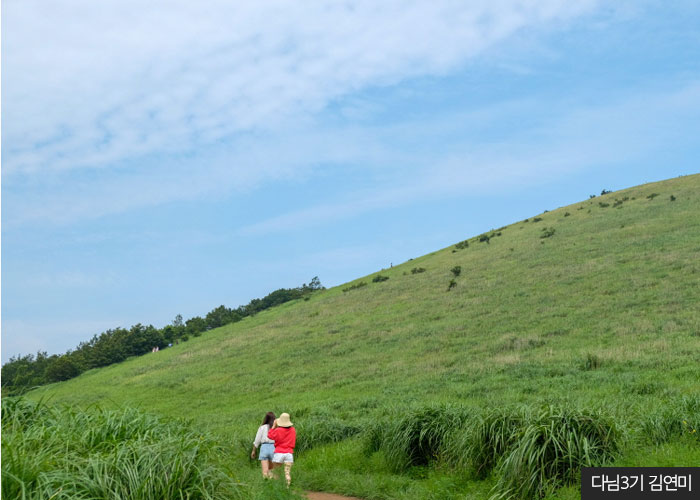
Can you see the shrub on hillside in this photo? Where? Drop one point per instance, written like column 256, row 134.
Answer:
column 456, row 270
column 547, row 232
column 62, row 368
column 379, row 278
column 652, row 196
column 537, row 219
column 355, row 286
column 451, row 285
column 417, row 270
column 462, row 245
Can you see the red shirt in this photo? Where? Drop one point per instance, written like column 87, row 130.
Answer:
column 285, row 439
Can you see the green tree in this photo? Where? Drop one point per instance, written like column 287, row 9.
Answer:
column 61, row 368
column 195, row 326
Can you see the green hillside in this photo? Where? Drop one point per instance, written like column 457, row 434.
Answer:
column 593, row 305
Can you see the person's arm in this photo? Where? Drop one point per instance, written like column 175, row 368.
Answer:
column 256, row 443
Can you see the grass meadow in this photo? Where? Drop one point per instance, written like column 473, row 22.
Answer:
column 565, row 339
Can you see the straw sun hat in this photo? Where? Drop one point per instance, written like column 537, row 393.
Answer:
column 284, row 421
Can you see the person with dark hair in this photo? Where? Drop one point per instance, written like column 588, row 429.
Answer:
column 267, row 445
column 285, row 437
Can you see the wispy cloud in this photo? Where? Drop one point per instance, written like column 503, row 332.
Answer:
column 567, row 138
column 618, row 132
column 88, row 85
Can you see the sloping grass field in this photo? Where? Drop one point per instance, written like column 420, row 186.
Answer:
column 433, row 383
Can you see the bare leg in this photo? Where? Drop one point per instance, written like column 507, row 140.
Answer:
column 266, row 468
column 287, row 472
column 273, row 472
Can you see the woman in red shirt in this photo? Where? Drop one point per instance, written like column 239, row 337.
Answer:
column 285, row 437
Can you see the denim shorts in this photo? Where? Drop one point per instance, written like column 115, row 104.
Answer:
column 267, row 450
column 286, row 458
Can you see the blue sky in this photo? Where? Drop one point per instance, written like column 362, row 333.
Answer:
column 168, row 157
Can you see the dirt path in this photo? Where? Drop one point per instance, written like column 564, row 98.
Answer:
column 315, row 495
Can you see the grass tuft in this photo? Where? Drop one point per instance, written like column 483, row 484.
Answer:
column 551, row 449
column 61, row 453
column 680, row 417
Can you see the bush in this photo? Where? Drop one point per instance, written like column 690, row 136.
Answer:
column 357, row 285
column 417, row 270
column 462, row 245
column 603, row 205
column 672, row 198
column 379, row 278
column 456, row 270
column 484, row 237
column 62, row 368
column 547, row 232
column 652, row 196
column 451, row 285
column 537, row 219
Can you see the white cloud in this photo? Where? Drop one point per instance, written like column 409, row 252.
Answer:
column 566, row 139
column 90, row 84
column 631, row 129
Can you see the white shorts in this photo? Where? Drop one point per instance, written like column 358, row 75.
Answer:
column 280, row 458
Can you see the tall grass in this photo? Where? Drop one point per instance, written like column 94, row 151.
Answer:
column 551, row 449
column 416, row 437
column 489, row 436
column 531, row 450
column 322, row 429
column 681, row 416
column 60, row 453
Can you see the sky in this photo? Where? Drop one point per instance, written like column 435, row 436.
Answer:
column 163, row 158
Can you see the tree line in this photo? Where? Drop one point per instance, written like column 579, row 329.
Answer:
column 22, row 373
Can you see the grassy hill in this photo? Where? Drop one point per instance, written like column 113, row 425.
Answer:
column 593, row 305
